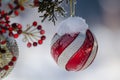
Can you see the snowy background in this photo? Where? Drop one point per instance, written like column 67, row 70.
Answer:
column 103, row 18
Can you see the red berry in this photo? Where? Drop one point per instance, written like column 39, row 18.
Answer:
column 6, row 67
column 10, row 34
column 0, row 32
column 3, row 31
column 16, row 12
column 10, row 6
column 7, row 18
column 3, row 42
column 43, row 37
column 36, row 2
column 11, row 64
column 14, row 58
column 10, row 28
column 15, row 35
column 2, row 12
column 34, row 43
column 22, row 8
column 2, row 22
column 39, row 27
column 42, row 32
column 40, row 41
column 29, row 44
column 7, row 25
column 19, row 26
column 14, row 25
column 35, row 23
column 19, row 31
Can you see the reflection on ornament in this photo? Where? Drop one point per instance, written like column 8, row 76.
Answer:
column 8, row 55
column 74, row 47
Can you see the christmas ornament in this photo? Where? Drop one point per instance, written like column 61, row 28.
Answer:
column 8, row 55
column 74, row 47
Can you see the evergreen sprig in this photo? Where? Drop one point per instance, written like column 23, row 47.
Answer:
column 50, row 8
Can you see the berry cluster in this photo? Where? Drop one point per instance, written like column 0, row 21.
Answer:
column 5, row 26
column 4, row 21
column 33, row 34
column 15, row 7
column 49, row 8
column 15, row 30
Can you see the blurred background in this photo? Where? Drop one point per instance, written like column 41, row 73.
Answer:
column 103, row 18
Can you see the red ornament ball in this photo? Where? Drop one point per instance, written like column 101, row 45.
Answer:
column 74, row 50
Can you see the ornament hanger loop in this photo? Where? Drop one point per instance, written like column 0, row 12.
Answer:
column 72, row 7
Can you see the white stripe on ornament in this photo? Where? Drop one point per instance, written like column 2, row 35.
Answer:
column 92, row 55
column 55, row 38
column 71, row 50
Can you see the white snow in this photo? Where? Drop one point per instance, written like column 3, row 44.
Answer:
column 72, row 25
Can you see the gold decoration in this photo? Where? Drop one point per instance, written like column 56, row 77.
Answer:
column 8, row 51
column 21, row 2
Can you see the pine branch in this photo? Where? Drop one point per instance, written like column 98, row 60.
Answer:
column 50, row 8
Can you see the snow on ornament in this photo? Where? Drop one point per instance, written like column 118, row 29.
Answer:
column 73, row 46
column 8, row 55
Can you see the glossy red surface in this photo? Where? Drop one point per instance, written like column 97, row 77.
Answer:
column 80, row 57
column 59, row 46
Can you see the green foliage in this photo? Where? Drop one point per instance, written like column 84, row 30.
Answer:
column 50, row 8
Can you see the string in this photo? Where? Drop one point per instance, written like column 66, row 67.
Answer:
column 72, row 7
